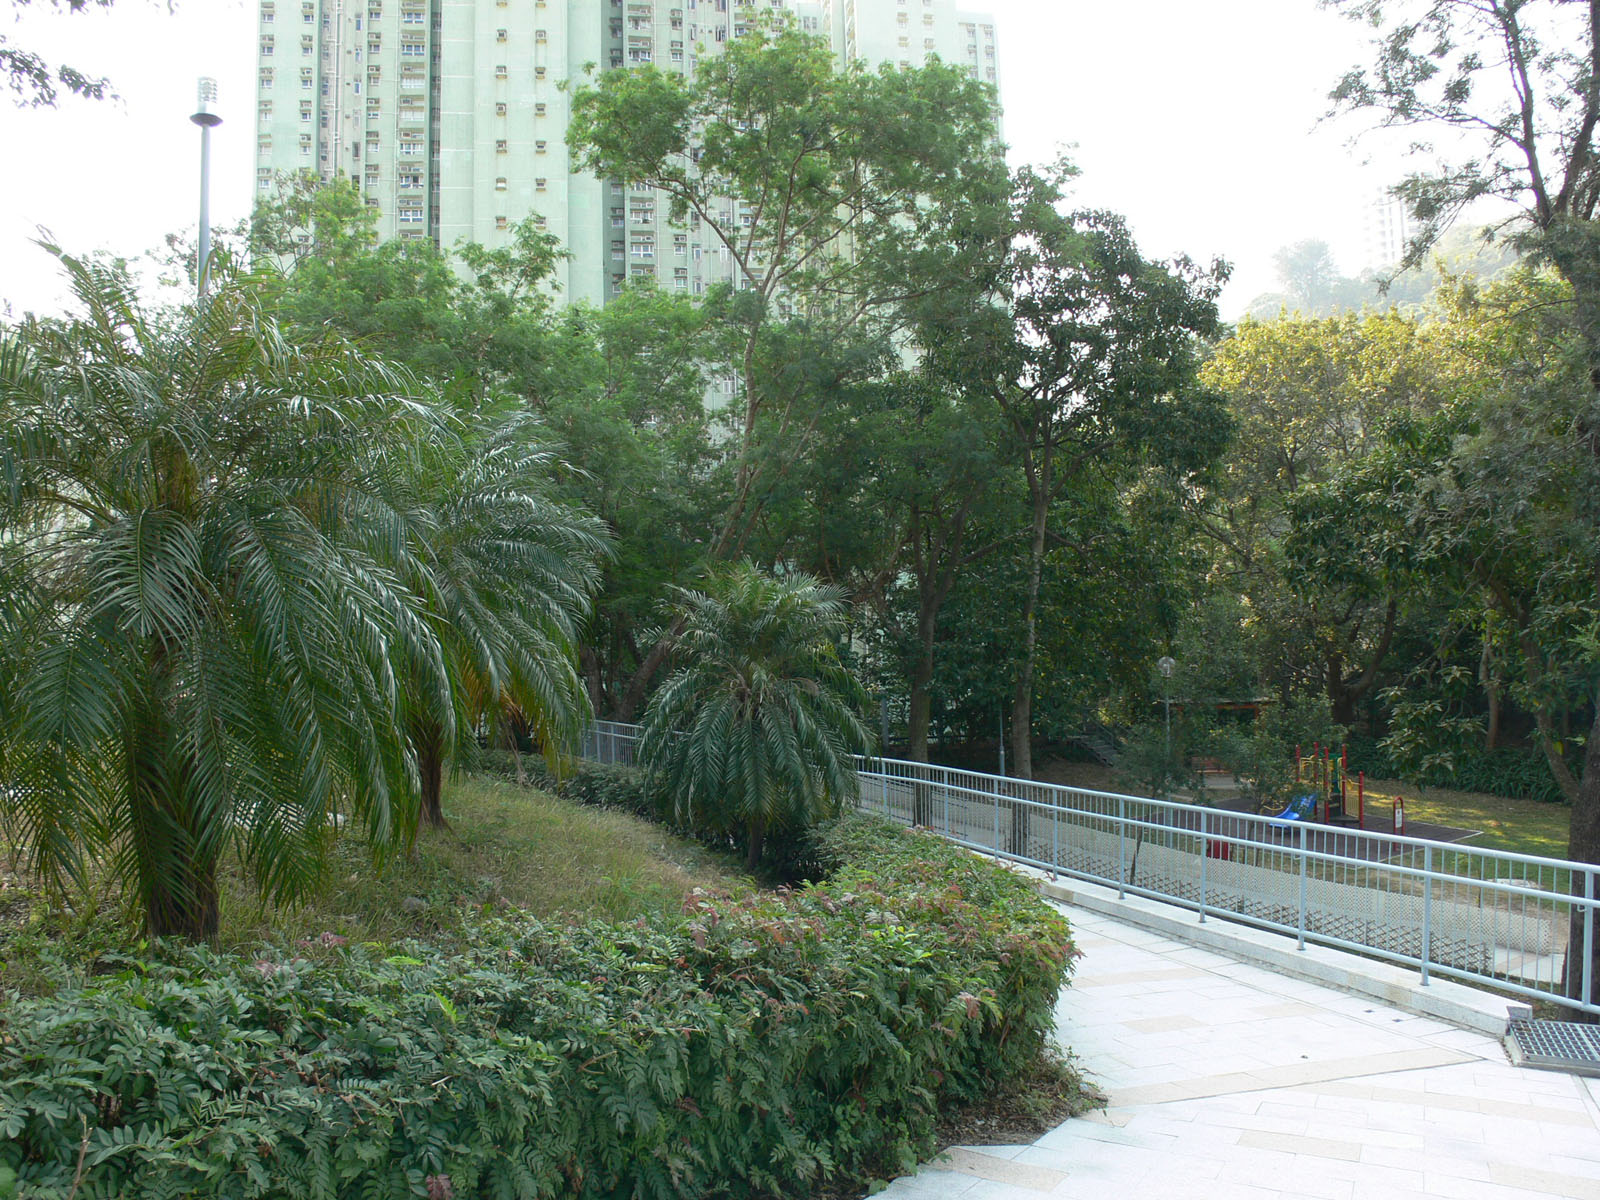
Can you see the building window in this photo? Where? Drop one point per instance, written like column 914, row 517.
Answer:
column 499, row 35
column 538, row 35
column 266, row 46
column 538, row 72
column 266, row 78
column 539, row 185
column 500, row 222
column 538, row 109
column 642, row 246
column 500, row 146
column 500, row 184
column 500, row 110
column 539, row 146
column 500, row 71
column 680, row 243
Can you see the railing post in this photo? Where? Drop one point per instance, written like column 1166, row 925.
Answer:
column 1055, row 833
column 1205, row 854
column 1122, row 847
column 1427, row 909
column 1588, row 938
column 995, row 796
column 1301, row 929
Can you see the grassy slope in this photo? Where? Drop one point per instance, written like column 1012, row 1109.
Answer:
column 507, row 848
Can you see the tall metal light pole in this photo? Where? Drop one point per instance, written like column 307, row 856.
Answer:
column 206, row 117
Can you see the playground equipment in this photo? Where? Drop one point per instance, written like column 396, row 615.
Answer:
column 1301, row 808
column 1331, row 776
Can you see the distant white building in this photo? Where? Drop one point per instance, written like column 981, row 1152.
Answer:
column 1386, row 228
column 451, row 116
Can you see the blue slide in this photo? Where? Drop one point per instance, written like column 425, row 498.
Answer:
column 1301, row 808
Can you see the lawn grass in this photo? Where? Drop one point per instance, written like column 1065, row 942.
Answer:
column 508, row 849
column 1519, row 826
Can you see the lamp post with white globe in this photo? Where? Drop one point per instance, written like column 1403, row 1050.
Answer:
column 1165, row 665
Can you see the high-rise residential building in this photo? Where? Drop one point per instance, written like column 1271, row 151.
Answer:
column 451, row 115
column 1387, row 228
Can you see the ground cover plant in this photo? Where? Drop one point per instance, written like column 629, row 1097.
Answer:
column 764, row 1042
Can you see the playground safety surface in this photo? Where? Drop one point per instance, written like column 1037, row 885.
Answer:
column 1230, row 1082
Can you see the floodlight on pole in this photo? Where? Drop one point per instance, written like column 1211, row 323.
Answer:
column 205, row 116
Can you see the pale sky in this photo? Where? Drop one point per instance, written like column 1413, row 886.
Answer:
column 1197, row 119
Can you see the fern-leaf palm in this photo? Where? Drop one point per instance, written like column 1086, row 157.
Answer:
column 754, row 732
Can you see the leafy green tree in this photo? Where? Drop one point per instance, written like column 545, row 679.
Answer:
column 1310, row 396
column 821, row 188
column 933, row 469
column 753, row 733
column 1517, row 85
column 624, row 388
column 200, row 616
column 1480, row 499
column 1087, row 352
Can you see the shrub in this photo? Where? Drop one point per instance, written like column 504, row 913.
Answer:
column 753, row 1044
column 1512, row 771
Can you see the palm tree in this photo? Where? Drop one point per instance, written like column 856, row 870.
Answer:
column 754, row 731
column 202, row 595
column 508, row 574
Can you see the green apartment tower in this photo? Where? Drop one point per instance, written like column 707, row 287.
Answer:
column 451, row 115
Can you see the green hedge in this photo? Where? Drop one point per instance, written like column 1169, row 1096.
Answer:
column 753, row 1044
column 1507, row 771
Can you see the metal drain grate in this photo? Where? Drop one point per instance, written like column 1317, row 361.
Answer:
column 1559, row 1045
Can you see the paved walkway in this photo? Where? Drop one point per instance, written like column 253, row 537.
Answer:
column 1229, row 1082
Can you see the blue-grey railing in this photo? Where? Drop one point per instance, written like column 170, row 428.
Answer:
column 1516, row 922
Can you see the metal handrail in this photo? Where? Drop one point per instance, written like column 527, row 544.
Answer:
column 1499, row 918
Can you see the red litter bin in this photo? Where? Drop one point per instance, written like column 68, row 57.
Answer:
column 1217, row 848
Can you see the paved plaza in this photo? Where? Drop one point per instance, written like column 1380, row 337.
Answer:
column 1228, row 1081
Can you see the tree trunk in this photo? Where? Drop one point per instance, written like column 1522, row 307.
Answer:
column 590, row 661
column 185, row 905
column 633, row 697
column 1544, row 723
column 429, row 741
column 921, row 683
column 921, row 712
column 1489, row 676
column 752, row 855
column 1022, row 697
column 1583, row 845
